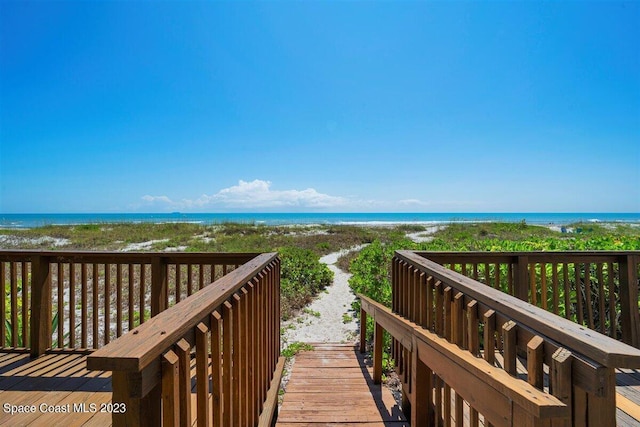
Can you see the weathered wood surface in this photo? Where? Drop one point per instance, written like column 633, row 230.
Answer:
column 333, row 385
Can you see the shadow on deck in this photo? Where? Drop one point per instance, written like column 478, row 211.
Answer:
column 55, row 389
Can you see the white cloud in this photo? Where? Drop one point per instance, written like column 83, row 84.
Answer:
column 152, row 199
column 255, row 194
column 260, row 194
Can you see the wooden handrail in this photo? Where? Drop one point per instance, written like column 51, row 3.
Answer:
column 134, row 351
column 232, row 325
column 112, row 292
column 535, row 256
column 596, row 289
column 489, row 390
column 459, row 308
column 598, row 347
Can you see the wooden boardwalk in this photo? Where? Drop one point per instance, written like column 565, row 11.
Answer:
column 329, row 386
column 332, row 385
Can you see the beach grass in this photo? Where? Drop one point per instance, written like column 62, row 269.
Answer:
column 300, row 247
column 227, row 237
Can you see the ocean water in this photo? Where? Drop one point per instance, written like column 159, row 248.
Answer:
column 37, row 220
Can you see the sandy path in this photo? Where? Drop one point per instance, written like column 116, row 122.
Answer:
column 323, row 320
column 426, row 235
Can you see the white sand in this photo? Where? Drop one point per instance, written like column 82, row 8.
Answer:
column 323, row 320
column 18, row 241
column 142, row 246
column 426, row 235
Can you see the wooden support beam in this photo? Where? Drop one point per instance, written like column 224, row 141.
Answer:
column 40, row 305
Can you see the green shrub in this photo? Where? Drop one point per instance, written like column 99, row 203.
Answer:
column 302, row 277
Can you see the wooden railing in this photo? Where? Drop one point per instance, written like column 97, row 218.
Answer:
column 555, row 355
column 84, row 300
column 596, row 289
column 232, row 330
column 493, row 396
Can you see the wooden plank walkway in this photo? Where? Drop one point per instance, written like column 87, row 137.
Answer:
column 329, row 386
column 333, row 386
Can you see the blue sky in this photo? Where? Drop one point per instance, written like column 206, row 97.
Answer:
column 319, row 106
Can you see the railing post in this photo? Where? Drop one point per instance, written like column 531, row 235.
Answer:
column 363, row 330
column 601, row 410
column 521, row 282
column 377, row 353
column 40, row 305
column 138, row 411
column 158, row 286
column 562, row 382
column 629, row 313
column 421, row 380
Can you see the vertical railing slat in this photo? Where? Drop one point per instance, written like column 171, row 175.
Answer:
column 95, row 279
column 489, row 320
column 509, row 347
column 601, row 298
column 183, row 351
column 25, row 303
column 107, row 303
column 567, row 290
column 580, row 310
column 587, row 287
column 227, row 381
column 83, row 301
column 170, row 389
column 237, row 395
column 543, row 285
column 612, row 302
column 216, row 368
column 72, row 304
column 535, row 360
column 554, row 284
column 14, row 305
column 533, row 291
column 142, row 290
column 3, row 299
column 429, row 307
column 255, row 388
column 118, row 300
column 244, row 355
column 60, row 308
column 473, row 328
column 202, row 374
column 130, row 297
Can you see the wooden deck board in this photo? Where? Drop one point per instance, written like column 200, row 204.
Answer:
column 332, row 386
column 627, row 392
column 55, row 379
column 329, row 386
column 628, row 396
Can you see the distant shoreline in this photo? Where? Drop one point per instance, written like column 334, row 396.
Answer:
column 22, row 221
